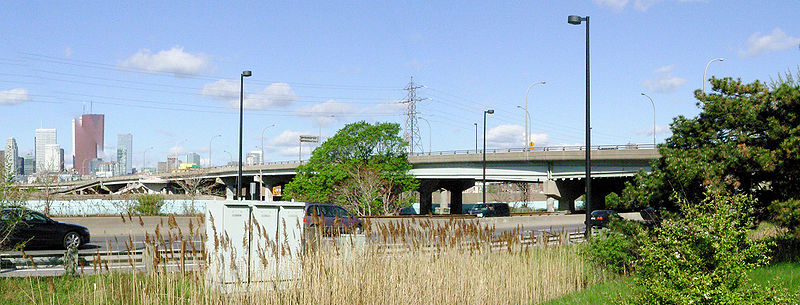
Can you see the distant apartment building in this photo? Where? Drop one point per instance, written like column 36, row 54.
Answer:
column 162, row 167
column 173, row 163
column 12, row 157
column 253, row 158
column 193, row 158
column 94, row 165
column 107, row 169
column 87, row 140
column 125, row 153
column 44, row 138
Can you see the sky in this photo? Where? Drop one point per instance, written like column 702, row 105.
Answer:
column 168, row 71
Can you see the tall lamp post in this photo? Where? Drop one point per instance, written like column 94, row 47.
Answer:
column 527, row 128
column 211, row 164
column 262, row 142
column 244, row 74
column 144, row 158
column 576, row 20
column 527, row 134
column 706, row 70
column 654, row 118
column 476, row 137
column 430, row 135
column 490, row 111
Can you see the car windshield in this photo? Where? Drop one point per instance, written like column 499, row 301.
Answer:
column 601, row 213
column 481, row 207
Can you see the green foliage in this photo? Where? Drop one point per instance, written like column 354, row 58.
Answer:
column 361, row 157
column 148, row 204
column 704, row 257
column 616, row 249
column 786, row 213
column 745, row 140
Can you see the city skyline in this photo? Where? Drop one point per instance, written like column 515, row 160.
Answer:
column 176, row 89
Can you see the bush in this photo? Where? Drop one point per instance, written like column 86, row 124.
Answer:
column 149, row 204
column 786, row 213
column 616, row 249
column 703, row 258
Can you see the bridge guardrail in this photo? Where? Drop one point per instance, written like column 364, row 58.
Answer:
column 543, row 148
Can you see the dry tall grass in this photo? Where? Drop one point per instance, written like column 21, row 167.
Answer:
column 456, row 262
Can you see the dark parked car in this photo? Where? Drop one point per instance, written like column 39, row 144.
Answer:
column 601, row 218
column 34, row 229
column 408, row 211
column 490, row 209
column 650, row 215
column 330, row 218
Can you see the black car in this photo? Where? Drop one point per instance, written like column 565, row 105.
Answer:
column 331, row 218
column 490, row 209
column 34, row 229
column 601, row 218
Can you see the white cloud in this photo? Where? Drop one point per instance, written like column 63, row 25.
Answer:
column 14, row 96
column 294, row 151
column 664, row 81
column 177, row 150
column 68, row 52
column 328, row 112
column 174, row 61
column 660, row 129
column 616, row 5
column 775, row 41
column 506, row 136
column 275, row 95
column 639, row 5
column 288, row 138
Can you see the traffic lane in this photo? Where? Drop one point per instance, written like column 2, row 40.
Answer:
column 110, row 226
column 104, row 244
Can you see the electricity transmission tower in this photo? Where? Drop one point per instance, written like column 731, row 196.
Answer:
column 411, row 134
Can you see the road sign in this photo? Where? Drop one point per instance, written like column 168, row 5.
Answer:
column 309, row 139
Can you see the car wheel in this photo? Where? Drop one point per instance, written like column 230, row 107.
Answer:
column 72, row 240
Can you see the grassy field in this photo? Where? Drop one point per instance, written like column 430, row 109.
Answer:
column 465, row 265
column 785, row 275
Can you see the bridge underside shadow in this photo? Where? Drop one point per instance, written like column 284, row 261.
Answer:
column 565, row 191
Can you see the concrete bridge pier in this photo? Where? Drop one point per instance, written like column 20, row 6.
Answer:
column 426, row 188
column 456, row 189
column 565, row 191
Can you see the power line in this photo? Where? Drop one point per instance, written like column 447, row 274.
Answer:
column 411, row 133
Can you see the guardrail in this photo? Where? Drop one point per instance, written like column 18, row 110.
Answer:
column 536, row 149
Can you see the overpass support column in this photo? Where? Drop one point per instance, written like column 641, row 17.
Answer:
column 456, row 189
column 426, row 188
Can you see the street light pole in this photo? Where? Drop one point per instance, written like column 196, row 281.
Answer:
column 262, row 142
column 527, row 118
column 576, row 20
column 490, row 111
column 654, row 118
column 429, row 135
column 244, row 74
column 211, row 164
column 144, row 158
column 528, row 128
column 706, row 70
column 476, row 137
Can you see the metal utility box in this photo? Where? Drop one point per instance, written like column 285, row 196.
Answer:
column 253, row 241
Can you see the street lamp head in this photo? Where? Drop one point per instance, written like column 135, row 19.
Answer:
column 247, row 73
column 576, row 20
column 520, row 107
column 490, row 111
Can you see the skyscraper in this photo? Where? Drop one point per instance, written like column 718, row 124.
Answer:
column 45, row 137
column 12, row 156
column 193, row 158
column 125, row 153
column 87, row 140
column 52, row 159
column 28, row 164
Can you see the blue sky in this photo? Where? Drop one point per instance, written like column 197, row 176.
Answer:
column 168, row 72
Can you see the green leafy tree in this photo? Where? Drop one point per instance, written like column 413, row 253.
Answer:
column 360, row 156
column 704, row 258
column 745, row 140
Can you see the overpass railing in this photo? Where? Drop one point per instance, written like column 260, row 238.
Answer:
column 531, row 149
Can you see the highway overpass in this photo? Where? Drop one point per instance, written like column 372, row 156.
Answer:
column 559, row 169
